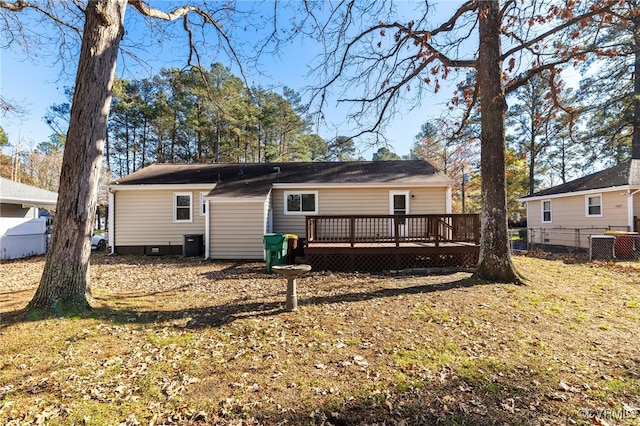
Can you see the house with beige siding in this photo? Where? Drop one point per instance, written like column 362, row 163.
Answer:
column 568, row 214
column 229, row 207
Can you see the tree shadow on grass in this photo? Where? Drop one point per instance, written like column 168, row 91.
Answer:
column 226, row 267
column 453, row 401
column 218, row 315
column 447, row 399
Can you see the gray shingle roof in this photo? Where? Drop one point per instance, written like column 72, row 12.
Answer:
column 12, row 192
column 256, row 179
column 623, row 174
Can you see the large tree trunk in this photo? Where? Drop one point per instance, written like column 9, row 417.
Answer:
column 65, row 281
column 495, row 261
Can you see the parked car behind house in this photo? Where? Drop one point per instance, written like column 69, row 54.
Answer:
column 99, row 242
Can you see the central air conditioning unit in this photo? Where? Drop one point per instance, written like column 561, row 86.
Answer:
column 602, row 247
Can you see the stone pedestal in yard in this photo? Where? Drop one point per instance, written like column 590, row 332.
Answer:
column 291, row 272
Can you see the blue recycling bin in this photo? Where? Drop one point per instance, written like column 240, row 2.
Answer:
column 275, row 246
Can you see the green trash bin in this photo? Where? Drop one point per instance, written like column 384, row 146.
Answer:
column 275, row 246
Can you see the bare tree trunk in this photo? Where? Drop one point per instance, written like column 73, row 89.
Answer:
column 495, row 260
column 65, row 281
column 174, row 133
column 107, row 151
column 145, row 128
column 532, row 155
column 216, row 148
column 127, row 148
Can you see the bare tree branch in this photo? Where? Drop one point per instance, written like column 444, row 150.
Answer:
column 395, row 57
column 595, row 10
column 183, row 12
column 21, row 5
column 151, row 12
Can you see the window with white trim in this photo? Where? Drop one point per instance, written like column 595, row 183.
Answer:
column 182, row 211
column 593, row 205
column 546, row 211
column 203, row 204
column 302, row 203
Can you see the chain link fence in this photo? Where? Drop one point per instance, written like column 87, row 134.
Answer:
column 615, row 247
column 611, row 243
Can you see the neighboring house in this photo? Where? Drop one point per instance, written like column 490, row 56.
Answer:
column 567, row 214
column 22, row 230
column 233, row 205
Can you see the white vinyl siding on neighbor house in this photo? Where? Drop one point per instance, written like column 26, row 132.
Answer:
column 357, row 201
column 569, row 215
column 237, row 229
column 147, row 218
column 569, row 212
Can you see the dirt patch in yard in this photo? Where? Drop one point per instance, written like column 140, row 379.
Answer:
column 186, row 341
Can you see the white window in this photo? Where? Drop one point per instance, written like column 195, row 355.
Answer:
column 203, row 204
column 182, row 207
column 546, row 211
column 593, row 205
column 302, row 203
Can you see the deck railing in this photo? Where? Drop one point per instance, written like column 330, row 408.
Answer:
column 413, row 228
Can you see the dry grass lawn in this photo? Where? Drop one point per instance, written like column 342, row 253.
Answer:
column 184, row 341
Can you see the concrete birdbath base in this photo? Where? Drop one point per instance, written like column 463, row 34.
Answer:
column 291, row 272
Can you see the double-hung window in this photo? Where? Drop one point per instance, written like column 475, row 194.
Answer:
column 593, row 205
column 546, row 211
column 302, row 203
column 182, row 211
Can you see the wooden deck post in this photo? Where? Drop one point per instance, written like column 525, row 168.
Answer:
column 476, row 227
column 396, row 230
column 352, row 230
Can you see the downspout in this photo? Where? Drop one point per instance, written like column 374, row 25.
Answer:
column 207, row 233
column 448, row 209
column 112, row 225
column 630, row 208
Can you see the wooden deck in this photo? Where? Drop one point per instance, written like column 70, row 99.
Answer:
column 392, row 242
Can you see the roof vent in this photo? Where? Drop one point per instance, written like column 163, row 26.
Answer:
column 276, row 169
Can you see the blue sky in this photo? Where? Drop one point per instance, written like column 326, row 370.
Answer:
column 37, row 84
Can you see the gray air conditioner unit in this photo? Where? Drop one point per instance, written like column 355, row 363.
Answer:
column 602, row 247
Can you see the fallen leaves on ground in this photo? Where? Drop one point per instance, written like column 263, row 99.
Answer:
column 186, row 341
